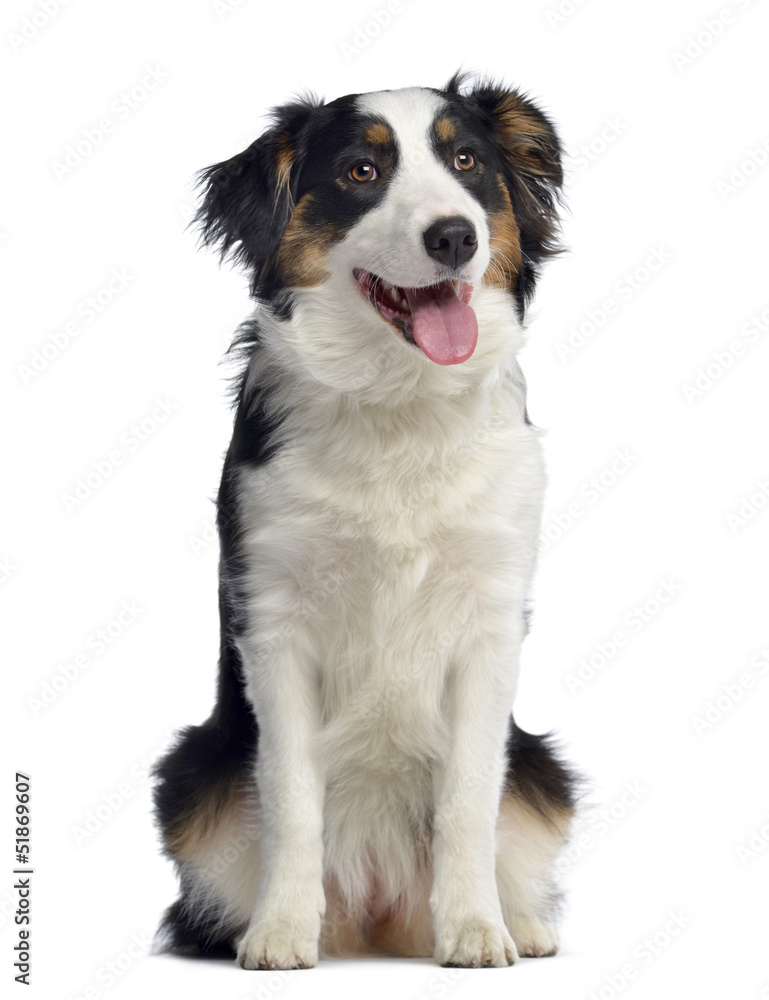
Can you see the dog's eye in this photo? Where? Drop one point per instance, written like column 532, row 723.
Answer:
column 363, row 172
column 464, row 160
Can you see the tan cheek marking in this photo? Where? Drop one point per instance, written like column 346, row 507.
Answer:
column 379, row 134
column 505, row 238
column 303, row 249
column 445, row 130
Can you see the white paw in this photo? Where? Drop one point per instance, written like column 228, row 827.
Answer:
column 475, row 942
column 535, row 938
column 280, row 943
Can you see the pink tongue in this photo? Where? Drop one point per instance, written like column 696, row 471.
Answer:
column 443, row 325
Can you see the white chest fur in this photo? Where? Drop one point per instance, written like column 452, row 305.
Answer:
column 373, row 544
column 380, row 551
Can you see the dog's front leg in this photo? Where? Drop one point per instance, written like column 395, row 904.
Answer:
column 469, row 928
column 285, row 924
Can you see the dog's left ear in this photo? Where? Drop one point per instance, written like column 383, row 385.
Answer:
column 531, row 155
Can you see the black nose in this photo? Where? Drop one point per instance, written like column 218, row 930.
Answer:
column 452, row 241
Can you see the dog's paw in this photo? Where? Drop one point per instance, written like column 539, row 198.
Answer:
column 535, row 938
column 474, row 943
column 280, row 943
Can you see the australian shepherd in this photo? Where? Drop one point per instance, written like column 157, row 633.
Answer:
column 361, row 786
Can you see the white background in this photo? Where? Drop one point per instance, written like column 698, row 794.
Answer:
column 660, row 167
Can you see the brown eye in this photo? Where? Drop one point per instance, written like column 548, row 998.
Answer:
column 464, row 160
column 363, row 172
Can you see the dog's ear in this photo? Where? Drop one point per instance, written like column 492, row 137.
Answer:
column 531, row 155
column 248, row 200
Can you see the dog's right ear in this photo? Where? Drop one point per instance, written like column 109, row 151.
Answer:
column 248, row 200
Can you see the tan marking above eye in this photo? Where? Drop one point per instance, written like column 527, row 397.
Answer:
column 378, row 134
column 464, row 160
column 445, row 130
column 363, row 172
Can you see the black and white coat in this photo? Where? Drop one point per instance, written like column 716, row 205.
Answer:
column 360, row 784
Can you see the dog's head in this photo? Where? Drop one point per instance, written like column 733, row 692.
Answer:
column 396, row 208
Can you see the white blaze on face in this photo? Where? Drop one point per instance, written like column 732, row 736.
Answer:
column 389, row 239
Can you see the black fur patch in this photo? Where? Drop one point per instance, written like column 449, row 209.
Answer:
column 536, row 773
column 183, row 933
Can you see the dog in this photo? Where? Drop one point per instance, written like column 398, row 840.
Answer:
column 360, row 786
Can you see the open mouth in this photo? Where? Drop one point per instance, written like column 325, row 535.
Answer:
column 436, row 318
